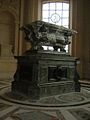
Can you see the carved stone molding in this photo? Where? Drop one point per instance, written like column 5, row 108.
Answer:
column 14, row 4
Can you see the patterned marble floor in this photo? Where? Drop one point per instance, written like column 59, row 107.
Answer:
column 10, row 110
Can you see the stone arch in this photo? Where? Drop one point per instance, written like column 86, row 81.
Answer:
column 11, row 11
column 9, row 34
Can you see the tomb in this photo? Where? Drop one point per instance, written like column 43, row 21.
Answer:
column 42, row 73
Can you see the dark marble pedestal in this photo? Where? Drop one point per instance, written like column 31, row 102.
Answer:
column 43, row 73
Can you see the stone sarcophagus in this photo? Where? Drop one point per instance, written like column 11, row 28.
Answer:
column 42, row 73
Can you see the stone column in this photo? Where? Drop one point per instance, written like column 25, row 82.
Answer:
column 16, row 52
column 81, row 42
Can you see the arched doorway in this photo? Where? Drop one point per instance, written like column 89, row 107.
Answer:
column 7, row 45
column 7, row 34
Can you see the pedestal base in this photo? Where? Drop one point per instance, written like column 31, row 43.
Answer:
column 44, row 74
column 43, row 90
column 56, row 88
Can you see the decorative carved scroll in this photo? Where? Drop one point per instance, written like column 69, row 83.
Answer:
column 40, row 33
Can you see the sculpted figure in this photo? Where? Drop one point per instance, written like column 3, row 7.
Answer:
column 40, row 33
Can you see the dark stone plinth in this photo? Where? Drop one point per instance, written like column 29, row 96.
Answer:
column 26, row 89
column 56, row 88
column 44, row 73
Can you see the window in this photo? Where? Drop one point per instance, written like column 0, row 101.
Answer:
column 56, row 13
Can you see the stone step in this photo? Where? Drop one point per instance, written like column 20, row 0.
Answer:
column 85, row 83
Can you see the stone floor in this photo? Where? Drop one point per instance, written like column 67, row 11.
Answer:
column 72, row 106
